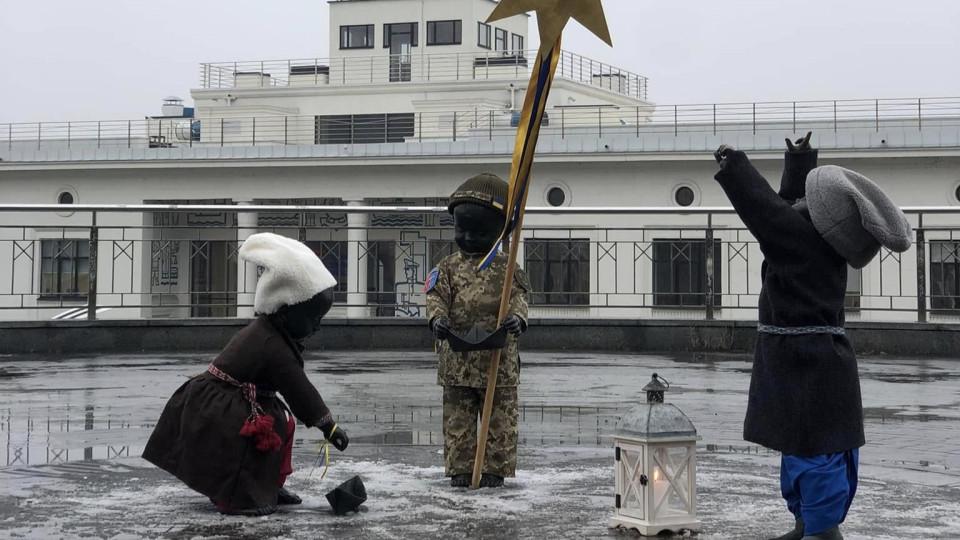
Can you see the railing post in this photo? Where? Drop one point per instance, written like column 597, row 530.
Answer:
column 708, row 246
column 68, row 134
column 676, row 123
column 221, row 131
column 129, row 132
column 92, row 272
column 563, row 123
column 420, row 126
column 371, row 69
column 794, row 117
column 919, row 115
column 458, row 68
column 254, row 136
column 714, row 118
column 491, row 124
column 98, row 133
column 638, row 121
column 599, row 122
column 316, row 76
column 10, row 136
column 921, row 273
column 754, row 118
column 285, row 138
column 39, row 133
column 343, row 71
column 454, row 126
column 261, row 74
column 834, row 116
column 876, row 113
column 386, row 127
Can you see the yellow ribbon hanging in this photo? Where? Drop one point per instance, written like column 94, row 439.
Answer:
column 323, row 454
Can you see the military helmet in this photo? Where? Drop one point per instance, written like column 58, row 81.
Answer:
column 486, row 189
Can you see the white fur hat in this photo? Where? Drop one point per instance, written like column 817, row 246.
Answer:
column 292, row 272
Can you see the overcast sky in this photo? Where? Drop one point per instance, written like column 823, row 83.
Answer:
column 116, row 59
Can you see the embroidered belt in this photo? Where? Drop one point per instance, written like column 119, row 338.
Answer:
column 249, row 390
column 800, row 330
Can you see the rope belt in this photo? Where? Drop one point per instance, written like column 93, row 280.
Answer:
column 258, row 425
column 800, row 330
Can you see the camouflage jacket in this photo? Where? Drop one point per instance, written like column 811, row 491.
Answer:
column 468, row 297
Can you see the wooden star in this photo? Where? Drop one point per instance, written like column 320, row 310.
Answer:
column 552, row 16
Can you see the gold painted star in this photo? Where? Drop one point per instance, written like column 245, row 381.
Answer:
column 552, row 16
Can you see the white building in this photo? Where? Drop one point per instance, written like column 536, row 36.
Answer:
column 414, row 97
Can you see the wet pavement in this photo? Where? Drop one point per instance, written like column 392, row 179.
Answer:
column 71, row 431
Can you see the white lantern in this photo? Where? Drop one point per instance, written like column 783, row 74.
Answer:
column 655, row 448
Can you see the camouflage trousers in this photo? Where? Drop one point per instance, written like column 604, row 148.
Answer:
column 462, row 406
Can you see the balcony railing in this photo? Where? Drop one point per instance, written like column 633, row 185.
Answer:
column 390, row 69
column 163, row 261
column 844, row 119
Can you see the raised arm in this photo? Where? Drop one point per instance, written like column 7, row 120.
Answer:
column 783, row 234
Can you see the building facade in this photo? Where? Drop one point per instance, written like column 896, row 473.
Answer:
column 414, row 97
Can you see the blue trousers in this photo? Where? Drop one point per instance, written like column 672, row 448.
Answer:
column 819, row 489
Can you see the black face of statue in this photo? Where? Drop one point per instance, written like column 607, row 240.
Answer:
column 476, row 227
column 302, row 320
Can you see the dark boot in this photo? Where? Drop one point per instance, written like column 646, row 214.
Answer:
column 829, row 534
column 460, row 480
column 491, row 480
column 285, row 497
column 795, row 534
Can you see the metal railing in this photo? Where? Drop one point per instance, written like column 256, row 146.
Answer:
column 426, row 67
column 871, row 116
column 172, row 261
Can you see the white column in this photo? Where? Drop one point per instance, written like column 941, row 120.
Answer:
column 357, row 262
column 246, row 272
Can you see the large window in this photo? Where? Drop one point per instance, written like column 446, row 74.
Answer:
column 405, row 33
column 65, row 268
column 363, row 128
column 679, row 272
column 559, row 271
column 516, row 43
column 945, row 275
column 443, row 32
column 501, row 40
column 356, row 37
column 483, row 35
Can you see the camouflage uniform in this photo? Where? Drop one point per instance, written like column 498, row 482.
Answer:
column 468, row 297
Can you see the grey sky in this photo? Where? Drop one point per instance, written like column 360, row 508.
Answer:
column 115, row 59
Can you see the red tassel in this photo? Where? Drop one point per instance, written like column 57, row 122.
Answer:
column 260, row 427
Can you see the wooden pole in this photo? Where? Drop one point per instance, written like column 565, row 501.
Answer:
column 524, row 149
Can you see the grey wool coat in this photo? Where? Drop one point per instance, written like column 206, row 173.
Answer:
column 804, row 389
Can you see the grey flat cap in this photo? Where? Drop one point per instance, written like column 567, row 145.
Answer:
column 854, row 216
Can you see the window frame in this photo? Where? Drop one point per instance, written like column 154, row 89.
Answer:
column 414, row 32
column 481, row 26
column 500, row 34
column 345, row 36
column 944, row 297
column 432, row 32
column 677, row 298
column 513, row 43
column 57, row 261
column 570, row 294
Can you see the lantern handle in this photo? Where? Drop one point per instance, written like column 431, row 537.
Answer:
column 655, row 376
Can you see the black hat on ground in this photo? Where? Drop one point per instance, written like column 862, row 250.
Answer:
column 348, row 496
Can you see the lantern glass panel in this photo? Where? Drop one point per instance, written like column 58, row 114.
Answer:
column 629, row 486
column 671, row 482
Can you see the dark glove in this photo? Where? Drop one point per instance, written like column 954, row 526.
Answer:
column 336, row 435
column 802, row 144
column 440, row 327
column 515, row 325
column 722, row 154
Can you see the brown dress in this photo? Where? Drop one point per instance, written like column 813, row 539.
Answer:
column 197, row 438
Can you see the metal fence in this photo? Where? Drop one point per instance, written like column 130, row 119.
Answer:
column 597, row 122
column 169, row 261
column 355, row 70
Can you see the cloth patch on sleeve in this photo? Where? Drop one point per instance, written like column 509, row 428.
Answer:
column 431, row 280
